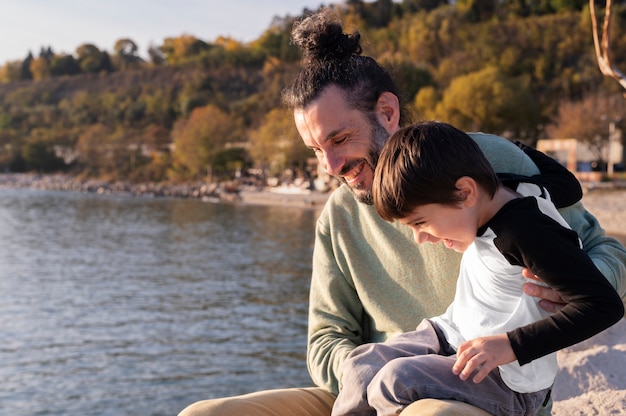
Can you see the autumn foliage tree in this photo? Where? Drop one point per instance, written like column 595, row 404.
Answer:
column 126, row 53
column 93, row 150
column 40, row 68
column 90, row 58
column 199, row 139
column 588, row 120
column 276, row 144
column 486, row 100
column 178, row 49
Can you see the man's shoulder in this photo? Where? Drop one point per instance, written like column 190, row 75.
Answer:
column 504, row 155
column 343, row 210
column 342, row 200
column 491, row 144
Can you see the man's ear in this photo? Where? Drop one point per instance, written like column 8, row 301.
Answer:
column 467, row 189
column 388, row 111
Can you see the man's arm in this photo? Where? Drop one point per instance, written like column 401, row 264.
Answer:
column 607, row 253
column 335, row 314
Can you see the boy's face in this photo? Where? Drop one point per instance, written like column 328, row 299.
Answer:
column 455, row 226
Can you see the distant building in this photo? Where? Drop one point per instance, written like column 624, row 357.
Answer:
column 579, row 159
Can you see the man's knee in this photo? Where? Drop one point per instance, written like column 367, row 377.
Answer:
column 433, row 407
column 312, row 401
column 203, row 408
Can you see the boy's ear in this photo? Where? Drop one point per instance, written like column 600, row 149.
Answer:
column 388, row 111
column 467, row 189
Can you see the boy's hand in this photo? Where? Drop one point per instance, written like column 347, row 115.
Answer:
column 550, row 301
column 482, row 355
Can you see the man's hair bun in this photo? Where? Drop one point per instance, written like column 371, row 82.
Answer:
column 321, row 38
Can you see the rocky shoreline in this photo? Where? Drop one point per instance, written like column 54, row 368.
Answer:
column 211, row 192
column 70, row 183
column 606, row 201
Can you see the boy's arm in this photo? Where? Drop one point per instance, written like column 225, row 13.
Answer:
column 552, row 252
column 608, row 255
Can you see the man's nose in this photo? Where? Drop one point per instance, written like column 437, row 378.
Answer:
column 333, row 163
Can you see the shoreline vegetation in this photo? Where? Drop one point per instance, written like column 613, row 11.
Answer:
column 605, row 200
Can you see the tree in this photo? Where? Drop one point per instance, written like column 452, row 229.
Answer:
column 430, row 37
column 89, row 58
column 92, row 148
column 160, row 106
column 177, row 50
column 426, row 102
column 157, row 57
column 477, row 10
column 275, row 42
column 230, row 160
column 82, row 109
column 46, row 53
column 105, row 63
column 378, row 13
column 26, row 74
column 11, row 71
column 39, row 156
column 40, row 68
column 199, row 138
column 412, row 6
column 411, row 77
column 125, row 47
column 64, row 65
column 603, row 48
column 487, row 100
column 126, row 53
column 588, row 120
column 275, row 145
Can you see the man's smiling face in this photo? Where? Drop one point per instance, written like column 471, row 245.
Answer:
column 346, row 141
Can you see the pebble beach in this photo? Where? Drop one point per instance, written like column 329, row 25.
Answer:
column 592, row 375
column 608, row 205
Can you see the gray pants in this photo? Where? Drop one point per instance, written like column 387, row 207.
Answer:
column 382, row 379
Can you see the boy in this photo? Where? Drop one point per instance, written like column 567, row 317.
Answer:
column 433, row 178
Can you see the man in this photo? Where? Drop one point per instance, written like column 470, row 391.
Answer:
column 370, row 281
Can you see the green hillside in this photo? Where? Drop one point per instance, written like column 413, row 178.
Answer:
column 523, row 69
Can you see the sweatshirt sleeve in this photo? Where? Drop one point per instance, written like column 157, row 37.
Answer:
column 607, row 254
column 336, row 314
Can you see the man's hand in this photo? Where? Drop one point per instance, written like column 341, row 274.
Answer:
column 482, row 355
column 550, row 301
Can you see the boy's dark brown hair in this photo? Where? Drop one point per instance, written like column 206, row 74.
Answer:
column 420, row 165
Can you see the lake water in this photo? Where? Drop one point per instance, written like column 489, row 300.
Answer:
column 113, row 305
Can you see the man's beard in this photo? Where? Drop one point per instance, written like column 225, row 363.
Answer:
column 379, row 136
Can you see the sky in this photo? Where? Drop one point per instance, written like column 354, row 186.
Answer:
column 27, row 25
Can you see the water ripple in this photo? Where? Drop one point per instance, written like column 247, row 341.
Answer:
column 125, row 306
